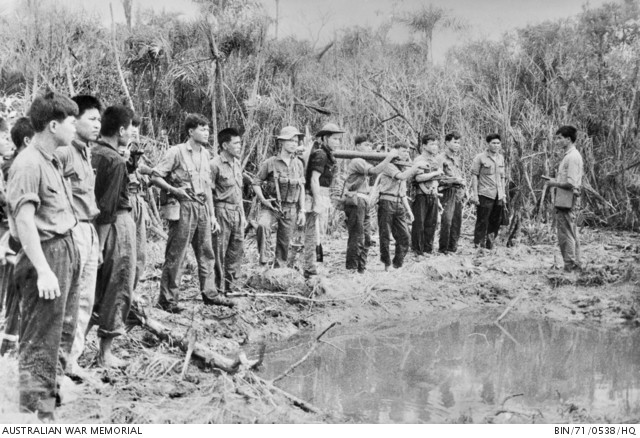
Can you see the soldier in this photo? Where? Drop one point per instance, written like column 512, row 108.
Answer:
column 283, row 199
column 76, row 167
column 318, row 179
column 426, row 204
column 357, row 211
column 116, row 232
column 393, row 207
column 21, row 134
column 568, row 183
column 227, row 185
column 488, row 192
column 185, row 174
column 47, row 266
column 453, row 192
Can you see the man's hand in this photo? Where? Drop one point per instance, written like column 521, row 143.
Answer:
column 48, row 287
column 302, row 217
column 410, row 216
column 267, row 203
column 215, row 227
column 474, row 199
column 393, row 153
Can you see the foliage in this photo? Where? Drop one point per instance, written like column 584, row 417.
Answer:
column 582, row 70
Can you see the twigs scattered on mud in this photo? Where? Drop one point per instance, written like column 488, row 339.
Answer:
column 306, row 356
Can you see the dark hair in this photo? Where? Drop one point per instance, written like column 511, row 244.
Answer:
column 401, row 145
column 192, row 121
column 427, row 138
column 86, row 102
column 569, row 132
column 450, row 136
column 52, row 106
column 114, row 118
column 361, row 139
column 21, row 129
column 136, row 121
column 492, row 137
column 226, row 135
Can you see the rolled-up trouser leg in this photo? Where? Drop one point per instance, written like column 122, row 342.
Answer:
column 203, row 249
column 86, row 239
column 266, row 219
column 114, row 288
column 46, row 326
column 180, row 234
column 568, row 237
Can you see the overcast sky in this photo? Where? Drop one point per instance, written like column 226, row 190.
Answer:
column 321, row 19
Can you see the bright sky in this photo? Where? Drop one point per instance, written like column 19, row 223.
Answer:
column 321, row 19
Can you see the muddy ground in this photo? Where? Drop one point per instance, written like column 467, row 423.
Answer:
column 155, row 388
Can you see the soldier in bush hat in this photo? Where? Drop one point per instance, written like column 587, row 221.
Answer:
column 283, row 197
column 319, row 176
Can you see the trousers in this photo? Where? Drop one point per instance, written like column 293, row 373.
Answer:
column 391, row 222
column 359, row 240
column 228, row 244
column 568, row 238
column 285, row 222
column 488, row 220
column 423, row 229
column 451, row 220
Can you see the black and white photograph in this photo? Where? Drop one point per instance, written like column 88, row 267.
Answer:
column 319, row 212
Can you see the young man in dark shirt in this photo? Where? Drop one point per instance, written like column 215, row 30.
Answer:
column 453, row 194
column 319, row 177
column 116, row 231
column 47, row 267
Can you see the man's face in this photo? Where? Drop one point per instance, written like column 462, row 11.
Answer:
column 233, row 147
column 200, row 134
column 88, row 125
column 290, row 146
column 494, row 146
column 365, row 146
column 454, row 145
column 561, row 141
column 65, row 131
column 125, row 135
column 431, row 147
column 334, row 140
column 135, row 134
column 403, row 154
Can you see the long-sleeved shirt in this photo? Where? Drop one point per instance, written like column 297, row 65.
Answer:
column 76, row 167
column 112, row 182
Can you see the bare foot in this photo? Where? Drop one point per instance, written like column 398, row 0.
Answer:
column 106, row 358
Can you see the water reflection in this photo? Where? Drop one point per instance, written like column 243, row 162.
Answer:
column 460, row 369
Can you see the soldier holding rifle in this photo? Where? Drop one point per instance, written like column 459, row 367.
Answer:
column 282, row 199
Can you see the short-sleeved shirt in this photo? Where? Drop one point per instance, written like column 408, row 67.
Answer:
column 490, row 171
column 321, row 160
column 390, row 185
column 358, row 172
column 76, row 167
column 290, row 177
column 433, row 161
column 36, row 177
column 571, row 168
column 226, row 180
column 111, row 190
column 452, row 167
column 184, row 169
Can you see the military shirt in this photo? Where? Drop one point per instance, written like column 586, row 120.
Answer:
column 179, row 164
column 390, row 185
column 434, row 163
column 290, row 177
column 226, row 180
column 571, row 168
column 36, row 177
column 357, row 176
column 111, row 189
column 76, row 167
column 490, row 171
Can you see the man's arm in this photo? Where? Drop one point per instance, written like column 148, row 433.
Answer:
column 423, row 177
column 381, row 166
column 260, row 177
column 27, row 231
column 315, row 187
column 164, row 168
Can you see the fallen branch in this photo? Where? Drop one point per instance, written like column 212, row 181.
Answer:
column 305, row 406
column 510, row 306
column 203, row 354
column 187, row 357
column 289, row 296
column 306, row 356
column 509, row 397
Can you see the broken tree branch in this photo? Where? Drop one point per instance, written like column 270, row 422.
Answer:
column 306, row 356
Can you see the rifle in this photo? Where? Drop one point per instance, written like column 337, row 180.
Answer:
column 373, row 156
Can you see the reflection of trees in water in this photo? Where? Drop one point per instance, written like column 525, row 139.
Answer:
column 431, row 374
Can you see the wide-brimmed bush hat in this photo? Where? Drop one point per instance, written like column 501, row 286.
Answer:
column 288, row 132
column 328, row 129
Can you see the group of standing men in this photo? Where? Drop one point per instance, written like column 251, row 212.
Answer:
column 439, row 189
column 76, row 219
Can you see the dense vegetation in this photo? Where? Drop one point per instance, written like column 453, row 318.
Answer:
column 582, row 70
